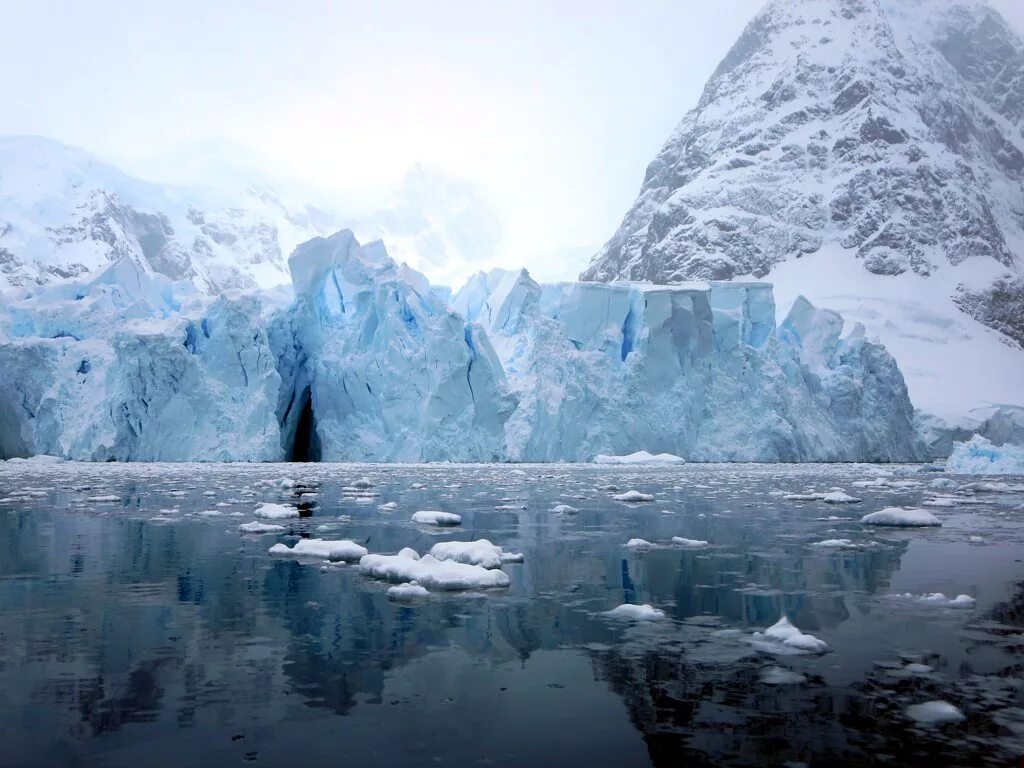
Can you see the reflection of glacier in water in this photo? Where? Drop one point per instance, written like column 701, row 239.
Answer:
column 140, row 627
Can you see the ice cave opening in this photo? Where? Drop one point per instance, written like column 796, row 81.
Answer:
column 306, row 444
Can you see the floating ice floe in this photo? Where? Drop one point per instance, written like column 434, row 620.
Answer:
column 389, row 506
column 902, row 517
column 836, row 544
column 432, row 517
column 781, row 676
column 258, row 527
column 980, row 456
column 640, row 457
column 564, row 509
column 939, row 599
column 103, row 499
column 684, row 542
column 631, row 612
column 934, row 713
column 638, row 544
column 362, row 483
column 783, row 637
column 944, row 502
column 838, row 497
column 271, row 511
column 804, row 496
column 340, row 550
column 633, row 497
column 430, row 572
column 481, row 552
column 407, row 592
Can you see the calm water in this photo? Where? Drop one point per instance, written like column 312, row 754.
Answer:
column 138, row 631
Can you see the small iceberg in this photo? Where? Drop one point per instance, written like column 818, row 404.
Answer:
column 783, row 637
column 691, row 543
column 258, row 527
column 429, row 572
column 270, row 511
column 640, row 457
column 408, row 592
column 935, row 713
column 433, row 517
column 633, row 497
column 980, row 456
column 481, row 552
column 902, row 517
column 342, row 550
column 630, row 612
column 838, row 497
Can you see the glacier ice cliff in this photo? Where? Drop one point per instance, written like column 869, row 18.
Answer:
column 366, row 361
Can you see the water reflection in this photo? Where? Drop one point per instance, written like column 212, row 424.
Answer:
column 134, row 622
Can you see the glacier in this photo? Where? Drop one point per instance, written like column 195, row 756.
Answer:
column 365, row 360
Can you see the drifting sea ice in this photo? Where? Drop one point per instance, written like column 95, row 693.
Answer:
column 781, row 676
column 934, row 713
column 408, row 591
column 258, row 527
column 902, row 517
column 836, row 544
column 430, row 572
column 481, row 552
column 564, row 509
column 432, row 517
column 783, row 637
column 939, row 599
column 340, row 550
column 638, row 544
column 271, row 511
column 838, row 497
column 633, row 497
column 684, row 542
column 635, row 612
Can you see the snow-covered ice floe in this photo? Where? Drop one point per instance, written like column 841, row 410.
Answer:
column 640, row 457
column 633, row 497
column 408, row 592
column 691, row 543
column 343, row 550
column 271, row 511
column 781, row 676
column 783, row 637
column 980, row 456
column 430, row 572
column 838, row 497
column 836, row 544
column 481, row 552
column 934, row 713
column 257, row 527
column 638, row 544
column 902, row 517
column 432, row 517
column 635, row 612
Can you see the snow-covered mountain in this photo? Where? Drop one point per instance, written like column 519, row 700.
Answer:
column 870, row 155
column 200, row 213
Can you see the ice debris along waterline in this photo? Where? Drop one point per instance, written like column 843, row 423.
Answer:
column 271, row 511
column 431, row 573
column 980, row 456
column 902, row 517
column 340, row 550
column 783, row 637
column 130, row 366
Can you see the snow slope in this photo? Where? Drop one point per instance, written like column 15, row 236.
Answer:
column 868, row 154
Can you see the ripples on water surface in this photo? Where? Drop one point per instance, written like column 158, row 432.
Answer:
column 135, row 630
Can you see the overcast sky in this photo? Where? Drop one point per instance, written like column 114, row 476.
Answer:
column 554, row 107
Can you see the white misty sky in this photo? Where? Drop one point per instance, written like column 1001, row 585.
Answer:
column 554, row 108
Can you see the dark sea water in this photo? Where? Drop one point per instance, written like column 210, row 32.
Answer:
column 135, row 631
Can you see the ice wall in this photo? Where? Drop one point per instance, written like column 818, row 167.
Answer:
column 367, row 362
